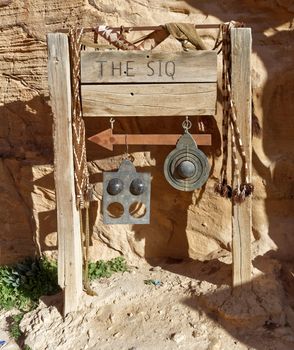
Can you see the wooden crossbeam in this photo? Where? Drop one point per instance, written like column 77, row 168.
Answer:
column 143, row 28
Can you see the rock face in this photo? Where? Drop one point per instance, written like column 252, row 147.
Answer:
column 182, row 224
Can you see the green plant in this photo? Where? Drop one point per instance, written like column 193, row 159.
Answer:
column 22, row 284
column 15, row 331
column 103, row 268
column 14, row 326
column 26, row 347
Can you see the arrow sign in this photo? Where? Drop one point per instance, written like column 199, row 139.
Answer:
column 107, row 139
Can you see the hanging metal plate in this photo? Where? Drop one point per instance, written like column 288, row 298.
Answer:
column 186, row 168
column 126, row 195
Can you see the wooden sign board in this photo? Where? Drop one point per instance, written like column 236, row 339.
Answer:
column 146, row 83
column 148, row 67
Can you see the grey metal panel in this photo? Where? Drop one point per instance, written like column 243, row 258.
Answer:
column 126, row 173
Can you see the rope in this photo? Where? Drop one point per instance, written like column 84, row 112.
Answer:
column 242, row 189
column 117, row 39
column 223, row 188
column 81, row 174
column 78, row 125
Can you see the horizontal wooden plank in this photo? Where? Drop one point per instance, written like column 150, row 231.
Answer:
column 148, row 67
column 148, row 99
column 107, row 139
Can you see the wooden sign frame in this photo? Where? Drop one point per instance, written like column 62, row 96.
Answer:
column 68, row 224
column 147, row 83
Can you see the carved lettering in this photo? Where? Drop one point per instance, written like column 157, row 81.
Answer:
column 128, row 68
column 170, row 69
column 152, row 70
column 159, row 69
column 101, row 68
column 116, row 68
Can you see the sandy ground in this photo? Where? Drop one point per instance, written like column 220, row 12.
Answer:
column 192, row 307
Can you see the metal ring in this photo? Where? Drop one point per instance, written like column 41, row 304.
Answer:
column 187, row 124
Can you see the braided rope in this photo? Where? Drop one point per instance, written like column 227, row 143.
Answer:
column 226, row 68
column 222, row 187
column 245, row 188
column 115, row 38
column 78, row 125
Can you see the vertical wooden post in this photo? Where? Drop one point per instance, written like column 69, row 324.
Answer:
column 241, row 43
column 68, row 223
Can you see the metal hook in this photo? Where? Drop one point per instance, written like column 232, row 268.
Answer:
column 111, row 120
column 187, row 124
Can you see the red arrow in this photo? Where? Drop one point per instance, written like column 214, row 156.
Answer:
column 107, row 139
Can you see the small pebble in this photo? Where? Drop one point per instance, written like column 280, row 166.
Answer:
column 155, row 268
column 177, row 337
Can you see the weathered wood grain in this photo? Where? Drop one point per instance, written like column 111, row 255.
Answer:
column 107, row 139
column 148, row 99
column 68, row 223
column 148, row 67
column 242, row 214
